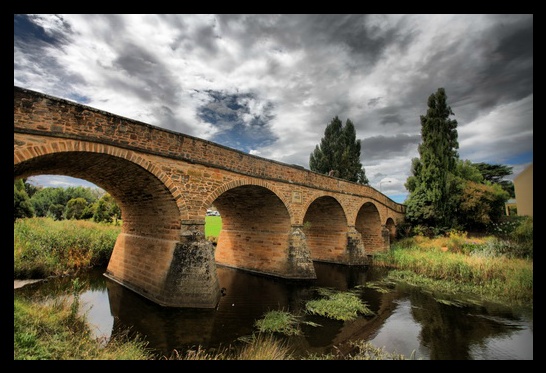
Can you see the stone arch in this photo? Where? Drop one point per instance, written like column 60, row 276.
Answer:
column 325, row 228
column 369, row 225
column 256, row 227
column 390, row 225
column 237, row 183
column 119, row 172
column 305, row 206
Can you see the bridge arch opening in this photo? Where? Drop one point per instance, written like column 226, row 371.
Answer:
column 150, row 256
column 368, row 224
column 391, row 226
column 325, row 228
column 147, row 206
column 255, row 230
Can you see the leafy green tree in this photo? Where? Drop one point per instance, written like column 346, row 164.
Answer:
column 446, row 192
column 56, row 211
column 75, row 207
column 80, row 192
column 468, row 171
column 483, row 193
column 22, row 207
column 43, row 199
column 481, row 204
column 52, row 201
column 339, row 153
column 106, row 210
column 433, row 183
column 31, row 189
column 495, row 173
column 89, row 211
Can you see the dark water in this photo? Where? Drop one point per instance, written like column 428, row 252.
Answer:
column 406, row 320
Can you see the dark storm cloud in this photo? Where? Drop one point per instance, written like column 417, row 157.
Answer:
column 506, row 76
column 185, row 36
column 384, row 147
column 143, row 69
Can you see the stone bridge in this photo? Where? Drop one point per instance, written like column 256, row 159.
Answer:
column 276, row 218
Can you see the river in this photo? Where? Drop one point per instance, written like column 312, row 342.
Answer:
column 408, row 321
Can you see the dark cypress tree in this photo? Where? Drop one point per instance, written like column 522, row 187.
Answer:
column 432, row 200
column 323, row 158
column 339, row 153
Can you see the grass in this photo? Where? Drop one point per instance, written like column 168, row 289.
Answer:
column 213, row 225
column 45, row 247
column 344, row 306
column 480, row 268
column 53, row 331
column 258, row 347
column 282, row 322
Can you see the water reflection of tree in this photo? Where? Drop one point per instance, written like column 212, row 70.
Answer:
column 449, row 335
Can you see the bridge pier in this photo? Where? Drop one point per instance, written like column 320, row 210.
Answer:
column 386, row 235
column 355, row 248
column 300, row 263
column 170, row 273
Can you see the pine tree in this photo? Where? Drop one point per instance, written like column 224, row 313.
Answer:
column 339, row 153
column 433, row 186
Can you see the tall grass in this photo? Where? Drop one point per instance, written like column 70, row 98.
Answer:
column 51, row 331
column 476, row 266
column 44, row 247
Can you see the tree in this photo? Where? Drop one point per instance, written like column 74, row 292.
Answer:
column 52, row 201
column 75, row 207
column 433, row 183
column 22, row 207
column 30, row 189
column 481, row 204
column 495, row 173
column 43, row 199
column 339, row 153
column 106, row 210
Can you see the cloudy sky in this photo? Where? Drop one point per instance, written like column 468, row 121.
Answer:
column 269, row 85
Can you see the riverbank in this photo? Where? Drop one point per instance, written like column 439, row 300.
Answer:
column 20, row 283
